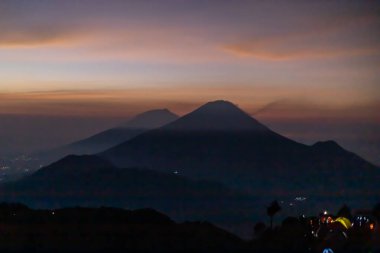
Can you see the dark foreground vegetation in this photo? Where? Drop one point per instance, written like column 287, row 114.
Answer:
column 117, row 230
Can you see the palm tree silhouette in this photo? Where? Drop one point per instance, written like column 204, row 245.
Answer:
column 272, row 210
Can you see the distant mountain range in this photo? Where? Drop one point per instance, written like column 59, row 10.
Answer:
column 92, row 181
column 111, row 137
column 215, row 163
column 220, row 142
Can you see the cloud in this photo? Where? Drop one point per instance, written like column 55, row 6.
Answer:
column 152, row 32
column 281, row 52
column 339, row 37
column 95, row 43
column 36, row 37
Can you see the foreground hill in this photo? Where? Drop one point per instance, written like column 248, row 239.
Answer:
column 92, row 181
column 111, row 137
column 220, row 142
column 106, row 229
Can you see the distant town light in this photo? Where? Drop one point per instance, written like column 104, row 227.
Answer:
column 325, row 212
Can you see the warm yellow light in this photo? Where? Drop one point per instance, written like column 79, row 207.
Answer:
column 344, row 221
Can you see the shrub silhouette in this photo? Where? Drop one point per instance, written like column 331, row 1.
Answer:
column 272, row 210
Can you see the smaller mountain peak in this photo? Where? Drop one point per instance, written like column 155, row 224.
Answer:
column 155, row 112
column 165, row 110
column 151, row 119
column 328, row 145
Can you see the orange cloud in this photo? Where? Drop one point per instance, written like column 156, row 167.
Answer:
column 40, row 36
column 276, row 52
column 347, row 36
column 131, row 43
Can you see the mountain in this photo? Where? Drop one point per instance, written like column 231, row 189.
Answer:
column 217, row 116
column 92, row 181
column 111, row 137
column 151, row 119
column 220, row 142
column 216, row 163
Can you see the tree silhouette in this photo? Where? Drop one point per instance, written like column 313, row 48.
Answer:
column 376, row 211
column 272, row 210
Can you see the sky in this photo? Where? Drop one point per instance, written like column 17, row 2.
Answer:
column 309, row 69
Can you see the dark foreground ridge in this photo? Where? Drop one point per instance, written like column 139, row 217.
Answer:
column 107, row 229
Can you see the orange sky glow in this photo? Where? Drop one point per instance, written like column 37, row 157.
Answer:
column 281, row 61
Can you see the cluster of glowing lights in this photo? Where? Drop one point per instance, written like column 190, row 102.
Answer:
column 360, row 221
column 364, row 221
column 344, row 221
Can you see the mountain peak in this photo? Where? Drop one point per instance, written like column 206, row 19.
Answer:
column 217, row 115
column 328, row 143
column 328, row 146
column 151, row 119
column 220, row 104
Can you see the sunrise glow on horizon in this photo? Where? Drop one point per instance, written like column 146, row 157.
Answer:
column 331, row 48
column 294, row 62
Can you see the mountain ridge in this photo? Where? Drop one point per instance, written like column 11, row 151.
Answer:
column 222, row 174
column 150, row 119
column 216, row 115
column 106, row 139
column 220, row 142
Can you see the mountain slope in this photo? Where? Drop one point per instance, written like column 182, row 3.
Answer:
column 111, row 137
column 151, row 119
column 92, row 181
column 218, row 115
column 220, row 142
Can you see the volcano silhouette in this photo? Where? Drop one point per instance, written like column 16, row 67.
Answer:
column 220, row 142
column 108, row 138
